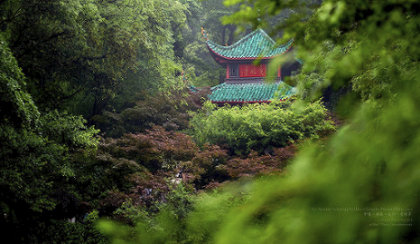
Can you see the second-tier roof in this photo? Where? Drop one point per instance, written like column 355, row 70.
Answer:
column 255, row 45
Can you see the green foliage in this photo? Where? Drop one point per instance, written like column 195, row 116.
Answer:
column 77, row 55
column 365, row 178
column 16, row 105
column 69, row 130
column 35, row 163
column 40, row 153
column 259, row 126
column 362, row 185
column 169, row 111
column 209, row 213
column 168, row 226
column 99, row 58
column 200, row 68
column 366, row 172
column 118, row 64
column 63, row 231
column 336, row 43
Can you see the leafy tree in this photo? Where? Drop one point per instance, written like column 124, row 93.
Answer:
column 39, row 153
column 78, row 54
column 170, row 111
column 199, row 66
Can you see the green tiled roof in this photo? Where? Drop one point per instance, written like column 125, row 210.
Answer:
column 252, row 92
column 254, row 45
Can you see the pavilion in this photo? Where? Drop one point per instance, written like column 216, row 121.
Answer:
column 244, row 81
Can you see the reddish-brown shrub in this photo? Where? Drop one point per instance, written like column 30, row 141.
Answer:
column 142, row 167
column 206, row 166
column 256, row 164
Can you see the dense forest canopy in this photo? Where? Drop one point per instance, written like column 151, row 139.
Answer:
column 101, row 141
column 80, row 54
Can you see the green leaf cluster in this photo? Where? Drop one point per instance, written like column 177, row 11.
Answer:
column 39, row 154
column 77, row 55
column 259, row 126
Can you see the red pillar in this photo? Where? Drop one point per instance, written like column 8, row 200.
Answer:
column 227, row 71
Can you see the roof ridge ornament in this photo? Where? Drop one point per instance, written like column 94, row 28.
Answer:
column 204, row 34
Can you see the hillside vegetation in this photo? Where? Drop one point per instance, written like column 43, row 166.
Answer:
column 101, row 140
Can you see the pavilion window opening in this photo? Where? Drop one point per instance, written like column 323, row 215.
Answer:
column 234, row 70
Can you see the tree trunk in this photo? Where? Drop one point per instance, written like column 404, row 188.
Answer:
column 232, row 29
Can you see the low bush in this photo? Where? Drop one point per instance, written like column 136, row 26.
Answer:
column 259, row 127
